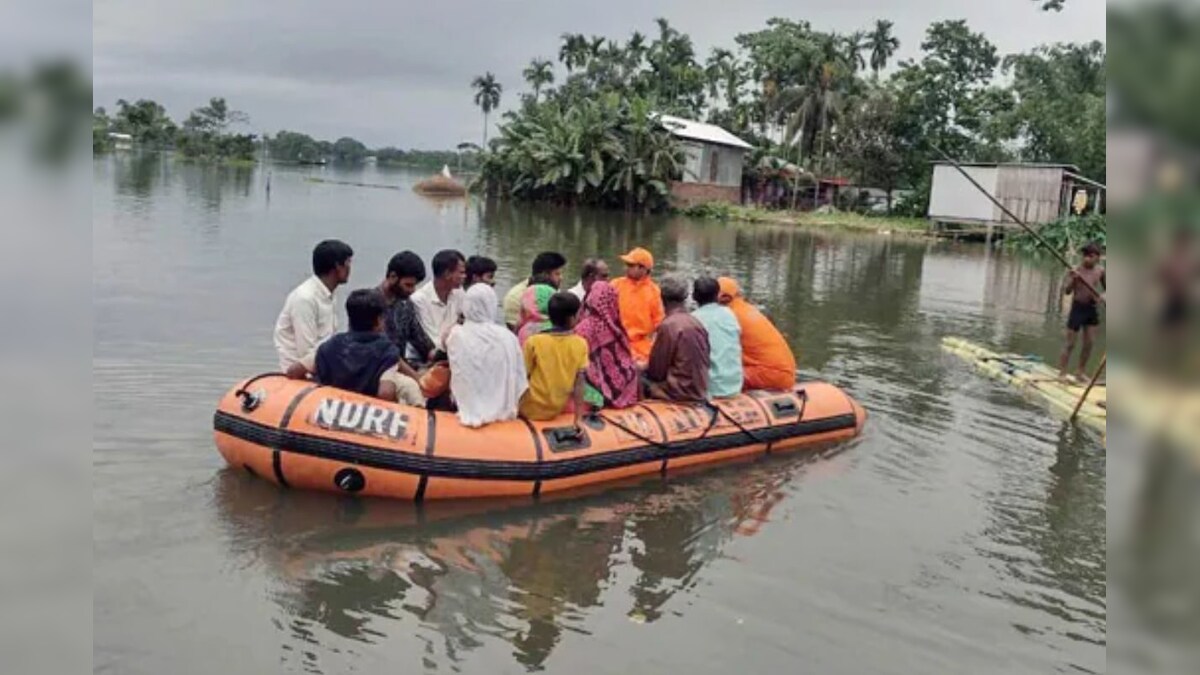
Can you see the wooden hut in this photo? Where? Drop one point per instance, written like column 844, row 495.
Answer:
column 1036, row 193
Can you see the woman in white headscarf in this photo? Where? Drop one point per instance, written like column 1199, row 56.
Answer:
column 487, row 368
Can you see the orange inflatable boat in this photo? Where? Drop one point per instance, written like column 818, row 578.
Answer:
column 302, row 435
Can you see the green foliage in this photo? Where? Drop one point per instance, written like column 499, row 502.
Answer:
column 1065, row 235
column 204, row 134
column 882, row 45
column 291, row 146
column 1060, row 105
column 466, row 158
column 347, row 150
column 869, row 143
column 804, row 96
column 710, row 211
column 604, row 151
column 146, row 121
column 487, row 97
column 100, row 130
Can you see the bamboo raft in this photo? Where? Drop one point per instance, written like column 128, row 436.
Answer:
column 1038, row 381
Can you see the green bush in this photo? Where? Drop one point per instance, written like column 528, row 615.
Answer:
column 1066, row 235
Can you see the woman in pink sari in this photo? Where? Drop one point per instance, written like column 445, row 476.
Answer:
column 612, row 375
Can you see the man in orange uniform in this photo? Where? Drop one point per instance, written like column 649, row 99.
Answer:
column 766, row 357
column 640, row 302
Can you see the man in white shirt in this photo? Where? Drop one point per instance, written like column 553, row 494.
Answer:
column 439, row 302
column 594, row 269
column 308, row 316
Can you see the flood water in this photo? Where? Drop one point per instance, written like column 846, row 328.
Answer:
column 963, row 532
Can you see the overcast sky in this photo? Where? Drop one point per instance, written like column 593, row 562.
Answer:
column 397, row 72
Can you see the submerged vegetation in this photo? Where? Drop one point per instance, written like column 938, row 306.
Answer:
column 817, row 99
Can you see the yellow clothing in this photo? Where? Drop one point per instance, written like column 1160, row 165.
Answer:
column 553, row 361
column 512, row 303
column 641, row 308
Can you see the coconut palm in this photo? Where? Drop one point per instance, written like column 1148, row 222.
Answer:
column 853, row 45
column 882, row 45
column 538, row 74
column 487, row 97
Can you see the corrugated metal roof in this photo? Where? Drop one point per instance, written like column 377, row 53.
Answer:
column 699, row 131
column 1032, row 165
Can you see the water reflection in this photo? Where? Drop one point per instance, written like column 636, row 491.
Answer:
column 469, row 574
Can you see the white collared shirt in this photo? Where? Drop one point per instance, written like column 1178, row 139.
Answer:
column 307, row 320
column 578, row 291
column 437, row 317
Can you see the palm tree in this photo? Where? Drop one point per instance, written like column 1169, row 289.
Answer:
column 574, row 51
column 853, row 45
column 487, row 97
column 636, row 47
column 882, row 45
column 538, row 74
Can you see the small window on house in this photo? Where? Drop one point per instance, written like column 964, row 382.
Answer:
column 712, row 164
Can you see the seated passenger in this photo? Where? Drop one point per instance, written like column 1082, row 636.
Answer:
column 724, row 339
column 439, row 301
column 679, row 359
column 547, row 268
column 308, row 317
column 363, row 359
column 594, row 269
column 557, row 363
column 487, row 369
column 404, row 272
column 612, row 375
column 535, row 311
column 767, row 360
column 640, row 301
column 480, row 270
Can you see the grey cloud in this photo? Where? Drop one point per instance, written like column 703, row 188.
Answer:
column 399, row 72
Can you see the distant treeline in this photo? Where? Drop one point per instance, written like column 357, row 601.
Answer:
column 205, row 134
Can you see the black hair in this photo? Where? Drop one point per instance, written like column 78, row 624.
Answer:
column 328, row 255
column 1091, row 248
column 478, row 265
column 547, row 262
column 445, row 261
column 705, row 290
column 407, row 265
column 563, row 306
column 673, row 290
column 364, row 307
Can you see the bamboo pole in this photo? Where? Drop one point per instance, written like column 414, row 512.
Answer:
column 1088, row 390
column 1037, row 237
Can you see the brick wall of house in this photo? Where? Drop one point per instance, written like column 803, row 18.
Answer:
column 684, row 195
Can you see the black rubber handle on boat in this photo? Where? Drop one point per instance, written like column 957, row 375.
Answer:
column 243, row 392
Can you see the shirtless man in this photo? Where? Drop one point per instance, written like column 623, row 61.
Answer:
column 1085, row 311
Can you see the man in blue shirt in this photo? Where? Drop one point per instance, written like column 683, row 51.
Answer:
column 724, row 339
